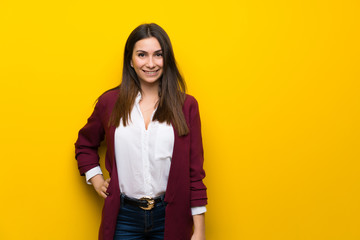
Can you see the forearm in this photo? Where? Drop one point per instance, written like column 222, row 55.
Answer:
column 199, row 227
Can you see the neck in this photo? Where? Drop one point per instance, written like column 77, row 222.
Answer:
column 150, row 90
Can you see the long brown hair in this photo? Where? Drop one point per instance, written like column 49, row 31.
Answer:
column 172, row 86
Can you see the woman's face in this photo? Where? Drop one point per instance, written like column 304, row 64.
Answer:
column 147, row 60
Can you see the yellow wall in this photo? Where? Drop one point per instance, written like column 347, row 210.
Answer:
column 278, row 87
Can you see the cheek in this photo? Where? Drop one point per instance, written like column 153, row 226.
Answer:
column 137, row 63
column 160, row 62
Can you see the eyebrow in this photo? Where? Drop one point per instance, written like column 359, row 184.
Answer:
column 145, row 51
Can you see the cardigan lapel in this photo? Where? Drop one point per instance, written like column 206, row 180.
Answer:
column 178, row 151
column 110, row 145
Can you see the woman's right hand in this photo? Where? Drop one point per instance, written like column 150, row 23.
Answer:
column 100, row 185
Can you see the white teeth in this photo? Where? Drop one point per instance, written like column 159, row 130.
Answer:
column 150, row 72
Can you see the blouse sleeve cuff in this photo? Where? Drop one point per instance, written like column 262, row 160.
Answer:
column 198, row 210
column 91, row 173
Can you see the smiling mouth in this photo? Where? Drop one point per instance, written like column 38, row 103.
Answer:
column 151, row 73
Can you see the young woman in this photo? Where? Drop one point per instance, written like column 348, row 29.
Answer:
column 154, row 147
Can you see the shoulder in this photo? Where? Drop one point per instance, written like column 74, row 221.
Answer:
column 109, row 97
column 105, row 103
column 190, row 101
column 190, row 107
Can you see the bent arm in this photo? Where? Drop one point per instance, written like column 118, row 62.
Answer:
column 88, row 142
column 197, row 173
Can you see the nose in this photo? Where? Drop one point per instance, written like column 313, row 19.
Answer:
column 150, row 63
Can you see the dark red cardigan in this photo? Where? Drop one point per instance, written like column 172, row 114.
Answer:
column 185, row 187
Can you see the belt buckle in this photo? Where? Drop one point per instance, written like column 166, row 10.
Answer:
column 150, row 203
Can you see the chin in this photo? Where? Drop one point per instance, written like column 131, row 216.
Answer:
column 150, row 81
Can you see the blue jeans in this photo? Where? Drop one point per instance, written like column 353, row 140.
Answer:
column 134, row 223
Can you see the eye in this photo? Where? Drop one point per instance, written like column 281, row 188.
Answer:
column 159, row 54
column 141, row 55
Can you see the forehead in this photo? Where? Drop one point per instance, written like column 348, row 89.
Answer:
column 147, row 44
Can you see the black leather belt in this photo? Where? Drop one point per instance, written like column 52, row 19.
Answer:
column 145, row 203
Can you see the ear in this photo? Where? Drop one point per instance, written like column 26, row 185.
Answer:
column 131, row 64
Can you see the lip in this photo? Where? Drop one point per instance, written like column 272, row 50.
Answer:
column 151, row 73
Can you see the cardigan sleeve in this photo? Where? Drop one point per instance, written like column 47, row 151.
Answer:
column 197, row 173
column 89, row 139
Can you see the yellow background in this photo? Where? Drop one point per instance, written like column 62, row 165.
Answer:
column 278, row 88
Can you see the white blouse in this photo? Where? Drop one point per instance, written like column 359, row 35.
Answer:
column 143, row 156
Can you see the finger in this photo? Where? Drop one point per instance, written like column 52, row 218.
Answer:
column 106, row 183
column 104, row 189
column 102, row 194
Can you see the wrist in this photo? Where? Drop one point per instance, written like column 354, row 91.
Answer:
column 97, row 179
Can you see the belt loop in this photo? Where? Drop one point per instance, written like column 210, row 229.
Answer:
column 122, row 196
